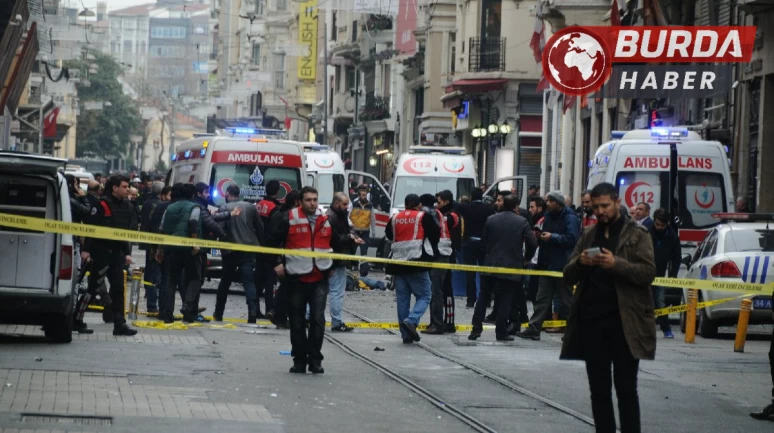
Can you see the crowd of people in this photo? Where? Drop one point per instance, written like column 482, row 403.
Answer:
column 609, row 256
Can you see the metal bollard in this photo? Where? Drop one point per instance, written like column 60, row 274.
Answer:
column 126, row 288
column 134, row 296
column 690, row 317
column 741, row 327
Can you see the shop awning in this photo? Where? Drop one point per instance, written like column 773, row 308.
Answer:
column 478, row 86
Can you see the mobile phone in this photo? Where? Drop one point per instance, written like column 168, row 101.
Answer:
column 591, row 252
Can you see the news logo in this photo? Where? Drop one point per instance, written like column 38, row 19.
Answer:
column 646, row 62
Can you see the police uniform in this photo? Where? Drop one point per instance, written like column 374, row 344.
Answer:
column 264, row 275
column 307, row 283
column 109, row 257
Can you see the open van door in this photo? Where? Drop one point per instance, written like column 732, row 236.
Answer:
column 516, row 184
column 378, row 195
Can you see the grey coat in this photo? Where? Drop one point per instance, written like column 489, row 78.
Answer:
column 507, row 241
column 247, row 228
column 632, row 274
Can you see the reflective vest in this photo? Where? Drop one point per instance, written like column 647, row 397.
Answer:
column 445, row 243
column 408, row 235
column 300, row 237
column 589, row 221
column 264, row 208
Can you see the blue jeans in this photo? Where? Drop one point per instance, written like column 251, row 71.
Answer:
column 658, row 302
column 418, row 284
column 244, row 263
column 337, row 284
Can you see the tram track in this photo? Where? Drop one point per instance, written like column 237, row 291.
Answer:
column 439, row 402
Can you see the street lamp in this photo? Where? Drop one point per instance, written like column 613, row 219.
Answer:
column 388, row 156
column 372, row 161
column 505, row 129
column 478, row 132
column 493, row 129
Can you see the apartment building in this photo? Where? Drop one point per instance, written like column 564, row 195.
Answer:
column 130, row 37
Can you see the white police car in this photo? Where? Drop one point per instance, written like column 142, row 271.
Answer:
column 741, row 248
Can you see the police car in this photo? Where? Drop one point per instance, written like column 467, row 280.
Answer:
column 740, row 248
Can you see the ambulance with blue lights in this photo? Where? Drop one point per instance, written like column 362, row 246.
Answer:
column 670, row 168
column 246, row 157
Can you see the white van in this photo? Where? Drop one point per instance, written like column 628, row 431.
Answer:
column 670, row 168
column 36, row 268
column 324, row 171
column 245, row 157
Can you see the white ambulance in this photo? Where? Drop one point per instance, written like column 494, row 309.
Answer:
column 670, row 168
column 246, row 157
column 324, row 171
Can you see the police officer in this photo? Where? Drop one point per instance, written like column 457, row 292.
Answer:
column 306, row 229
column 453, row 237
column 110, row 257
column 264, row 272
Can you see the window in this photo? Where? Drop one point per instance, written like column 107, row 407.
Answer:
column 386, row 78
column 252, row 180
column 129, row 24
column 184, row 173
column 282, row 5
column 337, row 80
column 327, row 185
column 744, row 240
column 256, row 59
column 259, row 7
column 256, row 104
column 114, row 47
column 334, row 30
column 354, row 31
column 168, row 32
column 349, row 83
column 127, row 46
column 168, row 51
column 279, row 70
column 453, row 52
column 115, row 24
column 651, row 187
column 702, row 194
column 143, row 25
column 141, row 48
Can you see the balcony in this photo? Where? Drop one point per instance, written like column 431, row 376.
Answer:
column 376, row 108
column 755, row 6
column 486, row 55
column 377, row 23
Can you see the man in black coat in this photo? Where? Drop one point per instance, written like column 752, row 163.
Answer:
column 474, row 214
column 343, row 241
column 668, row 252
column 501, row 246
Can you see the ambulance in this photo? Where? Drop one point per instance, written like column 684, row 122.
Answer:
column 429, row 170
column 324, row 171
column 670, row 168
column 246, row 157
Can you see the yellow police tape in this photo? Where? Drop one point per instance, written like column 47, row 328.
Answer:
column 43, row 225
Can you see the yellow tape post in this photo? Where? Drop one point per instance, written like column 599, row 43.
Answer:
column 43, row 225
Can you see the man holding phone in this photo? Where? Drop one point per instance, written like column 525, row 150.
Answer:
column 611, row 320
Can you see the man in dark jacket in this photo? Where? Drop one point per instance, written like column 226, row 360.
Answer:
column 561, row 231
column 611, row 322
column 667, row 250
column 501, row 242
column 408, row 243
column 246, row 230
column 442, row 312
column 343, row 241
column 475, row 214
column 110, row 257
column 265, row 277
column 152, row 268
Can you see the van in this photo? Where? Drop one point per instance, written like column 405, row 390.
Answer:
column 324, row 171
column 670, row 168
column 246, row 157
column 36, row 268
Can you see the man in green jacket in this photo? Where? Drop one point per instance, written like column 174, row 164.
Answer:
column 182, row 218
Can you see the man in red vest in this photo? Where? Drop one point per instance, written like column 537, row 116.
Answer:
column 305, row 229
column 408, row 230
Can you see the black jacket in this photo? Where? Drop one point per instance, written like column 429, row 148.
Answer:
column 120, row 214
column 565, row 231
column 150, row 204
column 432, row 232
column 341, row 241
column 92, row 201
column 210, row 227
column 507, row 241
column 475, row 214
column 667, row 251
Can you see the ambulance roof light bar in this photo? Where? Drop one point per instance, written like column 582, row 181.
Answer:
column 316, row 146
column 743, row 217
column 660, row 132
column 254, row 131
column 448, row 150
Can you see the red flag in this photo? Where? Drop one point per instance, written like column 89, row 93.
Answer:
column 49, row 123
column 287, row 123
column 615, row 17
column 538, row 40
column 542, row 84
column 584, row 102
column 569, row 101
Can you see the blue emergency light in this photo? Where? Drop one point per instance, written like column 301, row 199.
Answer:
column 174, row 157
column 202, row 152
column 254, row 131
column 616, row 135
column 187, row 154
column 669, row 132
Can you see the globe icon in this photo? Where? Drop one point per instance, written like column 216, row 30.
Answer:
column 576, row 61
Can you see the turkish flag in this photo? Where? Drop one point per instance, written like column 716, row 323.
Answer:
column 615, row 14
column 287, row 123
column 569, row 101
column 49, row 123
column 542, row 84
column 538, row 40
